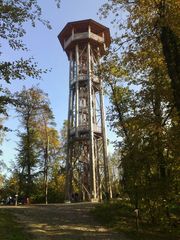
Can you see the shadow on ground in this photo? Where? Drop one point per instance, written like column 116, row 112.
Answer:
column 62, row 222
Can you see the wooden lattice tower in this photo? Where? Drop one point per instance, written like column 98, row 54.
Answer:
column 85, row 42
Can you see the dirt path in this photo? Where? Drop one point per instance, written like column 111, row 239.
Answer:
column 62, row 222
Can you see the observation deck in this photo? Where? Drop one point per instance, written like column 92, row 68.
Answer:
column 85, row 31
column 85, row 77
column 85, row 128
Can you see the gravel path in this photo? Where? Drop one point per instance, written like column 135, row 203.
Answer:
column 63, row 222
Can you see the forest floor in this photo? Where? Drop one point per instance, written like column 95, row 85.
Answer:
column 59, row 221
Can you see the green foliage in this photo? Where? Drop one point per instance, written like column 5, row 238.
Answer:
column 55, row 190
column 37, row 173
column 149, row 37
column 29, row 104
column 47, row 171
column 13, row 16
column 120, row 216
column 20, row 69
column 63, row 139
column 142, row 105
column 33, row 158
column 149, row 166
column 114, row 173
column 56, row 195
column 111, row 213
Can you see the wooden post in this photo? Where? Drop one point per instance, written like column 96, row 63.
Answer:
column 89, row 30
column 104, row 139
column 106, row 170
column 68, row 160
column 72, row 33
column 136, row 211
column 77, row 90
column 92, row 160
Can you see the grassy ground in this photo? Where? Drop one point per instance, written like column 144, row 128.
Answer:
column 10, row 229
column 53, row 221
column 120, row 217
column 74, row 221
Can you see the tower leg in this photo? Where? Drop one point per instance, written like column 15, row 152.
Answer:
column 105, row 157
column 68, row 186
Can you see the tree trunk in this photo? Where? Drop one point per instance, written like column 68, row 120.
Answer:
column 28, row 189
column 46, row 163
column 171, row 50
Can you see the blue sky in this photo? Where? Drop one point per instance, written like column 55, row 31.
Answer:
column 45, row 48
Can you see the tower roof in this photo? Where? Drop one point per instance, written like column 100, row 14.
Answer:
column 82, row 26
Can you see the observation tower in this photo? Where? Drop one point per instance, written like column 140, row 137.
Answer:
column 87, row 175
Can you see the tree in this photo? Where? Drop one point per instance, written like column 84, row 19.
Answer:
column 143, row 100
column 29, row 104
column 2, row 177
column 56, row 163
column 142, row 113
column 13, row 16
column 63, row 139
column 115, row 173
column 48, row 144
column 150, row 32
column 40, row 151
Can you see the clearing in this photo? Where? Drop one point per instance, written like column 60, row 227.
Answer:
column 62, row 222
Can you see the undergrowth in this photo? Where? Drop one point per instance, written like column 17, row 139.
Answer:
column 120, row 216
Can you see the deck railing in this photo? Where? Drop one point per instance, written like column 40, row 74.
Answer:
column 84, row 35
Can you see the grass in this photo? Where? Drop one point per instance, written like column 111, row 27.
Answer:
column 119, row 216
column 10, row 229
